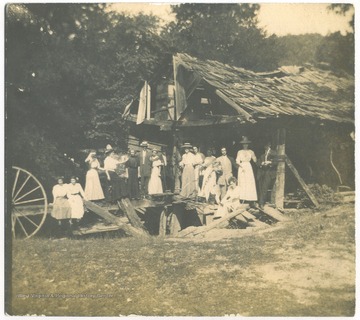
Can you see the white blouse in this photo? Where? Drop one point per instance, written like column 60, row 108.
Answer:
column 245, row 156
column 110, row 164
column 94, row 164
column 74, row 189
column 59, row 191
column 188, row 159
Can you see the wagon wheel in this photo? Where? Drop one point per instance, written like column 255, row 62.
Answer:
column 29, row 204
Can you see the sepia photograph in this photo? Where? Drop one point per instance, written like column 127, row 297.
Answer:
column 179, row 159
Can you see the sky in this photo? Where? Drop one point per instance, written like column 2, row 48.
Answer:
column 278, row 18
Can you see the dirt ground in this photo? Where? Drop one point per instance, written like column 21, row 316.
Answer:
column 305, row 267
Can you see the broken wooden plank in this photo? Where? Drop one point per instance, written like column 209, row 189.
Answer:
column 131, row 214
column 255, row 222
column 348, row 196
column 215, row 223
column 96, row 229
column 113, row 219
column 274, row 213
column 301, row 181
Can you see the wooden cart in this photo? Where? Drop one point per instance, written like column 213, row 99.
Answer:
column 26, row 190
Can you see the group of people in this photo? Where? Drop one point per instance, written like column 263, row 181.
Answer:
column 68, row 201
column 210, row 176
column 139, row 175
column 122, row 172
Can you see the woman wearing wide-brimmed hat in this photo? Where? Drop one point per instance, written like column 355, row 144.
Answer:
column 187, row 163
column 246, row 179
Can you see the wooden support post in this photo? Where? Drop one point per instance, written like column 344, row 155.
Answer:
column 274, row 213
column 129, row 210
column 279, row 186
column 175, row 163
column 302, row 182
column 106, row 215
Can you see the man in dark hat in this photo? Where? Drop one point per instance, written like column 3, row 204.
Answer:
column 145, row 167
column 266, row 173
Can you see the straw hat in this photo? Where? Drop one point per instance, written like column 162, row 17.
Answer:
column 108, row 149
column 144, row 144
column 245, row 140
column 186, row 145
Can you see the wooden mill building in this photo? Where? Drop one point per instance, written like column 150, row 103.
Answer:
column 306, row 112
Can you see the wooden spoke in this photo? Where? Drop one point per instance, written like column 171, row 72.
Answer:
column 32, row 193
column 15, row 182
column 29, row 201
column 17, row 193
column 23, row 196
column 27, row 218
column 22, row 226
column 13, row 223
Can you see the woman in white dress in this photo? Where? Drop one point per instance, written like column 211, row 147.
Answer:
column 209, row 185
column 76, row 194
column 199, row 160
column 231, row 201
column 93, row 189
column 155, row 183
column 187, row 163
column 246, row 179
column 61, row 207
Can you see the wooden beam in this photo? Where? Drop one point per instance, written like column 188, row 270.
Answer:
column 129, row 210
column 279, row 186
column 215, row 223
column 301, row 181
column 234, row 105
column 113, row 219
column 167, row 125
column 274, row 213
column 255, row 222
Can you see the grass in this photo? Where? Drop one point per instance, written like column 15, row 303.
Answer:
column 270, row 274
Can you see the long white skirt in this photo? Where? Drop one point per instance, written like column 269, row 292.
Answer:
column 77, row 206
column 155, row 184
column 246, row 182
column 188, row 188
column 93, row 189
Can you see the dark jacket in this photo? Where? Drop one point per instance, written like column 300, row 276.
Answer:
column 268, row 168
column 145, row 164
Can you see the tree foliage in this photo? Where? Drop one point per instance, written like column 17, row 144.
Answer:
column 223, row 32
column 72, row 68
column 343, row 8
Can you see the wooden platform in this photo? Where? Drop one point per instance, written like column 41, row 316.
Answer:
column 172, row 218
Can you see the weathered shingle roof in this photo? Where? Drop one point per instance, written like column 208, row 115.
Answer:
column 306, row 91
